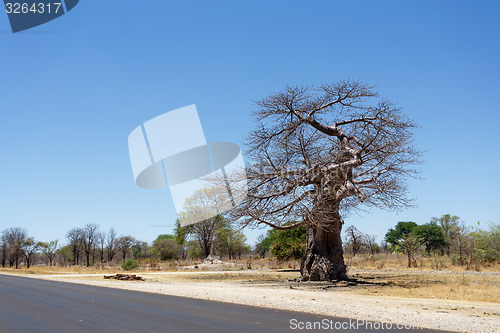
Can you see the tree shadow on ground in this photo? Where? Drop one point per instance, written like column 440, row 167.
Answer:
column 355, row 282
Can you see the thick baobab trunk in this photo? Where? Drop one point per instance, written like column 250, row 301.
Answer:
column 324, row 258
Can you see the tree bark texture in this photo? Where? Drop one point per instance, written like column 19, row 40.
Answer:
column 324, row 258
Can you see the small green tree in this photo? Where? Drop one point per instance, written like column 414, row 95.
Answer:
column 165, row 247
column 240, row 245
column 66, row 252
column 230, row 242
column 431, row 236
column 140, row 249
column 402, row 229
column 264, row 243
column 181, row 237
column 194, row 250
column 487, row 243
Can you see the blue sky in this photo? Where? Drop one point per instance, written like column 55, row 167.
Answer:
column 73, row 89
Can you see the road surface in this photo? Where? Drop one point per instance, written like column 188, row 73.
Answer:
column 32, row 305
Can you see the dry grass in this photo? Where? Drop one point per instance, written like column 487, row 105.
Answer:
column 484, row 287
column 400, row 262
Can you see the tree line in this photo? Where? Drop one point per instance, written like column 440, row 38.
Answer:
column 445, row 236
column 89, row 245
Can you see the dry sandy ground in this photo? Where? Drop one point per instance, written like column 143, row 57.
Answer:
column 462, row 316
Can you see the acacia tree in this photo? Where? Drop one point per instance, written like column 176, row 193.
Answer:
column 28, row 249
column 320, row 151
column 49, row 250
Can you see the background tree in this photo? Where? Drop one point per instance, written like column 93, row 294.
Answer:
column 14, row 239
column 205, row 202
column 371, row 242
column 204, row 233
column 165, row 247
column 263, row 245
column 431, row 236
column 66, row 254
column 123, row 244
column 140, row 249
column 28, row 249
column 318, row 152
column 229, row 241
column 450, row 225
column 111, row 244
column 289, row 244
column 410, row 245
column 240, row 246
column 494, row 240
column 75, row 238
column 89, row 239
column 194, row 251
column 181, row 237
column 486, row 244
column 355, row 239
column 50, row 250
column 100, row 242
column 395, row 235
column 3, row 251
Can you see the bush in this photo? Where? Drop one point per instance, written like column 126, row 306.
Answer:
column 129, row 264
column 289, row 244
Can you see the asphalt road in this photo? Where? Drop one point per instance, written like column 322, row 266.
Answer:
column 32, row 305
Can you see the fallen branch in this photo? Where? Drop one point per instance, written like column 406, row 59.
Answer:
column 124, row 277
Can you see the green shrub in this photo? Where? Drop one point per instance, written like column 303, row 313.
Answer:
column 129, row 264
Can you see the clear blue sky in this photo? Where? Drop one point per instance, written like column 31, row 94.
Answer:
column 73, row 89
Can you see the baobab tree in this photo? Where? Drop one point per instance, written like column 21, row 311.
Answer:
column 124, row 244
column 89, row 239
column 75, row 238
column 319, row 152
column 111, row 244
